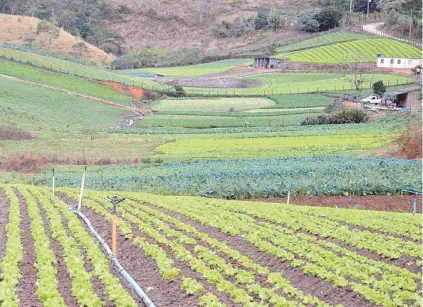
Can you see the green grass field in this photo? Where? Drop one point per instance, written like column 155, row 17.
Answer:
column 363, row 50
column 64, row 81
column 70, row 67
column 272, row 147
column 198, row 121
column 213, row 105
column 38, row 109
column 292, row 83
column 200, row 69
column 327, row 39
column 300, row 101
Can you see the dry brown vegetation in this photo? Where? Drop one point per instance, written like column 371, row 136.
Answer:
column 31, row 162
column 14, row 134
column 410, row 142
column 21, row 30
column 175, row 24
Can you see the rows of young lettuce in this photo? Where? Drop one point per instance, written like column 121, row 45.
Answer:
column 348, row 249
column 48, row 215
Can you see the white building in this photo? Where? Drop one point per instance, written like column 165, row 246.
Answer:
column 398, row 63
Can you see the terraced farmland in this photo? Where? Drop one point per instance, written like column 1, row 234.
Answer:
column 197, row 251
column 364, row 50
column 327, row 39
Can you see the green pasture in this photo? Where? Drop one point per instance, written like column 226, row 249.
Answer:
column 64, row 81
column 199, row 69
column 289, row 146
column 198, row 121
column 213, row 104
column 327, row 39
column 365, row 50
column 60, row 65
column 40, row 109
column 296, row 101
column 299, row 83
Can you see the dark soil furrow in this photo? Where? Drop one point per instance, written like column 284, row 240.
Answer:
column 4, row 220
column 26, row 288
column 306, row 283
column 63, row 278
column 141, row 267
column 98, row 287
column 406, row 262
column 261, row 279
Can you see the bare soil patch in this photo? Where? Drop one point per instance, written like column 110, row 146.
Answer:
column 400, row 203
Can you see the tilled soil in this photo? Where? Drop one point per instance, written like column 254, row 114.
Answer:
column 26, row 289
column 306, row 283
column 142, row 268
column 400, row 203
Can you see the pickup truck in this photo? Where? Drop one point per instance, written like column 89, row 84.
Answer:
column 371, row 100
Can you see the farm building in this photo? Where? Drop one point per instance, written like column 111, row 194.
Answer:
column 398, row 62
column 408, row 97
column 264, row 62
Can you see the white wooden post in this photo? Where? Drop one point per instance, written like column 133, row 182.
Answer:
column 81, row 192
column 289, row 194
column 53, row 183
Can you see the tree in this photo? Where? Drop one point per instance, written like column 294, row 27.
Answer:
column 307, row 20
column 51, row 31
column 355, row 72
column 379, row 88
column 329, row 18
column 261, row 21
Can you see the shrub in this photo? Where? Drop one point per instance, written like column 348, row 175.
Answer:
column 379, row 88
column 276, row 21
column 410, row 142
column 329, row 18
column 307, row 20
column 346, row 116
column 28, row 162
column 261, row 21
column 334, row 107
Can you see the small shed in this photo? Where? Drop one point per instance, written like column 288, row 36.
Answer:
column 408, row 97
column 265, row 62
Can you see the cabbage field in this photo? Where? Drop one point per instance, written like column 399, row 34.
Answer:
column 203, row 252
column 319, row 175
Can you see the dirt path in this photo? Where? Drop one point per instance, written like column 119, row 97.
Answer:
column 135, row 110
column 374, row 28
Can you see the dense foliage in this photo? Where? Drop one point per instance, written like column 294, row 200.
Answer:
column 346, row 116
column 320, row 175
column 316, row 19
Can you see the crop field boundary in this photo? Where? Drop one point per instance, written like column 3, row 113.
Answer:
column 98, row 100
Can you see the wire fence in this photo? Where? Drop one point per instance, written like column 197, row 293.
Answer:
column 382, row 34
column 268, row 90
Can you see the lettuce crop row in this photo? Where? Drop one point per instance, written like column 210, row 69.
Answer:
column 206, row 259
column 46, row 263
column 389, row 286
column 9, row 266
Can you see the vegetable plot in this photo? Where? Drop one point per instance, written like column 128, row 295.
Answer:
column 191, row 251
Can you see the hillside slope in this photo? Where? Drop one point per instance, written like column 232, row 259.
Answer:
column 172, row 24
column 17, row 29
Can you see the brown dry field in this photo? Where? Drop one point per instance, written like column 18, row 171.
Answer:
column 14, row 29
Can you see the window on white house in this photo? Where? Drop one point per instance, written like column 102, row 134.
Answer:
column 382, row 61
column 399, row 61
column 392, row 61
column 410, row 62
